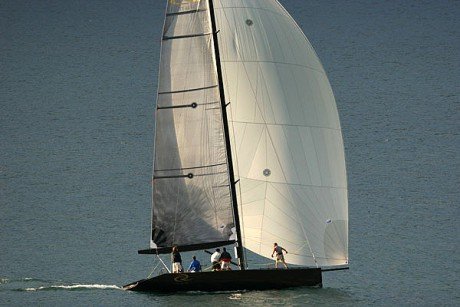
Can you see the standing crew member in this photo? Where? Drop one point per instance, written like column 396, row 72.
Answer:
column 215, row 258
column 176, row 260
column 279, row 255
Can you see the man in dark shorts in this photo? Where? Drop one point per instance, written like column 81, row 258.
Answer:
column 215, row 260
column 279, row 255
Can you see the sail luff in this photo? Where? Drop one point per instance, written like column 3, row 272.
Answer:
column 154, row 129
column 239, row 243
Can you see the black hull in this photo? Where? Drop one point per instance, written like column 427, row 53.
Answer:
column 230, row 280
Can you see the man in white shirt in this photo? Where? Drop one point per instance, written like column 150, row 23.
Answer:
column 215, row 260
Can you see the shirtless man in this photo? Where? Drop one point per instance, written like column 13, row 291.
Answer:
column 279, row 255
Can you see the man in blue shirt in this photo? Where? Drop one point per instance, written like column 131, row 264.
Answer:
column 195, row 266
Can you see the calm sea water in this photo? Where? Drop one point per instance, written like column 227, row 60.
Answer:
column 77, row 90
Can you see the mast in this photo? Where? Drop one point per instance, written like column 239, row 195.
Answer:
column 239, row 245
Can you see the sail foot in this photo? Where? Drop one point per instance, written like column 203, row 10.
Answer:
column 185, row 248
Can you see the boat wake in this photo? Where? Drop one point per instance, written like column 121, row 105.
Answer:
column 36, row 284
column 74, row 287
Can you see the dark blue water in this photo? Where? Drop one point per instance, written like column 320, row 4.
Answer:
column 77, row 91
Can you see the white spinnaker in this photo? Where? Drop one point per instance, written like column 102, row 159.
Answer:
column 286, row 137
column 189, row 138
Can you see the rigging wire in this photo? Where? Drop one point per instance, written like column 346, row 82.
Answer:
column 169, row 271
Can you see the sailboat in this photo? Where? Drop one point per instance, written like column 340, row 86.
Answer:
column 248, row 149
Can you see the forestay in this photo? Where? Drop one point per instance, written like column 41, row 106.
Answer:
column 191, row 194
column 286, row 136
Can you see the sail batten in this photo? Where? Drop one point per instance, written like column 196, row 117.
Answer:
column 187, row 168
column 165, row 38
column 188, row 90
column 185, row 12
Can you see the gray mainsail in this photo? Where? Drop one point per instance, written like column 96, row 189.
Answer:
column 192, row 205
